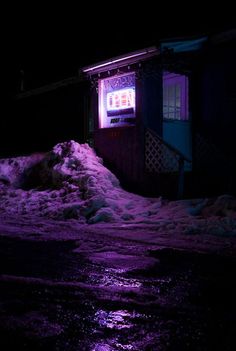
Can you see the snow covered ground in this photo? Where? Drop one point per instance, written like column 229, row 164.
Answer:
column 55, row 195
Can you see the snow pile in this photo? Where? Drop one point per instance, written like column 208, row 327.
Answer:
column 223, row 206
column 70, row 182
column 215, row 216
column 13, row 171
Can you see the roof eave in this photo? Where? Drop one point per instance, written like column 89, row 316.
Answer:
column 120, row 61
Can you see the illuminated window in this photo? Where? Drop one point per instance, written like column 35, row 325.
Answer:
column 117, row 101
column 175, row 97
column 120, row 101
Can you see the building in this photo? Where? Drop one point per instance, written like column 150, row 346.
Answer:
column 162, row 118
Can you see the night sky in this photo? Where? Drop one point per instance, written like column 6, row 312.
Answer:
column 49, row 44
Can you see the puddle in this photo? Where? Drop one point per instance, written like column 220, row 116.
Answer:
column 185, row 301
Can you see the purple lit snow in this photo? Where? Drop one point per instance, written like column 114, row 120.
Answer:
column 69, row 187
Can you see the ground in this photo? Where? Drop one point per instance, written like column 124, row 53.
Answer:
column 107, row 288
column 86, row 265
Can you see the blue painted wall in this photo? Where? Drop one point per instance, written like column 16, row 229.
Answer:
column 178, row 134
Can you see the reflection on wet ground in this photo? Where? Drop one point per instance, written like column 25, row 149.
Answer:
column 186, row 301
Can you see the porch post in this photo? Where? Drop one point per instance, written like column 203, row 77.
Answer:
column 180, row 191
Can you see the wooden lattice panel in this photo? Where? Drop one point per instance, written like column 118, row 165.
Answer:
column 158, row 157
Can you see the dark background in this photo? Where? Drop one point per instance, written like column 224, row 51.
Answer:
column 51, row 42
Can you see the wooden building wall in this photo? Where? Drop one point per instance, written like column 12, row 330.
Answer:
column 123, row 148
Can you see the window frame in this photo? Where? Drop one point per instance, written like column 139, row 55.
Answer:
column 174, row 79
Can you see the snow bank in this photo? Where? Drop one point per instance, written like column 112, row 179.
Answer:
column 13, row 171
column 70, row 182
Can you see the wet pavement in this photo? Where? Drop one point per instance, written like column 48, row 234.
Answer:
column 105, row 296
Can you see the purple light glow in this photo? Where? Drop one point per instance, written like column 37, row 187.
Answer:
column 114, row 319
column 117, row 101
column 113, row 61
column 145, row 53
column 175, row 96
column 121, row 99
